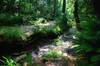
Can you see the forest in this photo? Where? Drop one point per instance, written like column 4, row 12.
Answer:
column 49, row 33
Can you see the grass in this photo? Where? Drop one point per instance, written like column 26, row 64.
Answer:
column 57, row 41
column 8, row 61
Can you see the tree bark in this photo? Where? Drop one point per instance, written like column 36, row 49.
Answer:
column 54, row 10
column 64, row 19
column 64, row 6
column 76, row 15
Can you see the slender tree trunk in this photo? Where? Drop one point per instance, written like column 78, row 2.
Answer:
column 76, row 15
column 19, row 8
column 54, row 10
column 64, row 19
column 64, row 6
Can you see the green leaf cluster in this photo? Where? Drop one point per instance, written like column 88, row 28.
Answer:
column 51, row 54
column 88, row 38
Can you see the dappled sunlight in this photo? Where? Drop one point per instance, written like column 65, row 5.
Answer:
column 49, row 33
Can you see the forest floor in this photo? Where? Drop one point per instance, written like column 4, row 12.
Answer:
column 64, row 47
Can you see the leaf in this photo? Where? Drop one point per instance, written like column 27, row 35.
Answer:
column 86, row 47
column 95, row 58
column 98, row 50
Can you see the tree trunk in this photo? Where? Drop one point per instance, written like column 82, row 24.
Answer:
column 76, row 15
column 54, row 10
column 64, row 6
column 64, row 19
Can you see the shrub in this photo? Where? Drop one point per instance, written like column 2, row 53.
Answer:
column 51, row 54
column 12, row 33
column 8, row 20
column 88, row 38
column 8, row 61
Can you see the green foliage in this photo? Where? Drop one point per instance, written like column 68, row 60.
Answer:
column 88, row 37
column 9, row 61
column 48, row 29
column 49, row 9
column 70, row 14
column 8, row 20
column 95, row 58
column 51, row 54
column 11, row 33
column 28, row 59
column 57, row 41
column 38, row 21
